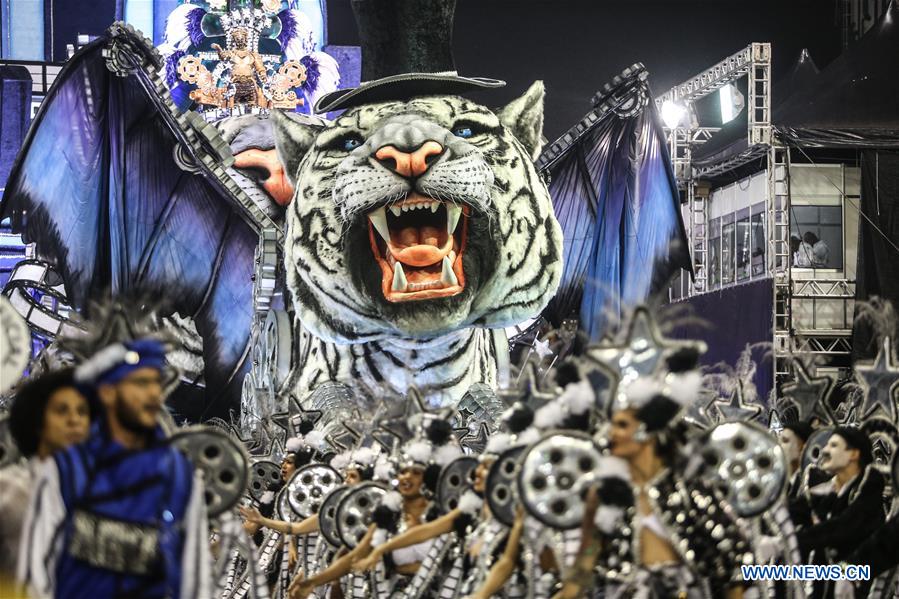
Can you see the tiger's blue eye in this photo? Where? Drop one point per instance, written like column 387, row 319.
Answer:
column 463, row 132
column 351, row 143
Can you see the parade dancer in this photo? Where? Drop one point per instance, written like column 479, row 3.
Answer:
column 123, row 514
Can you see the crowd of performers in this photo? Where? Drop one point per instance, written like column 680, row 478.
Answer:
column 582, row 489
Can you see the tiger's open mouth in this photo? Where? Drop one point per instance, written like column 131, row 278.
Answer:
column 418, row 242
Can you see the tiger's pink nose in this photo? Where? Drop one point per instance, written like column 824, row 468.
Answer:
column 409, row 164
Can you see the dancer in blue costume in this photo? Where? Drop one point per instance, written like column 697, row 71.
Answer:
column 121, row 515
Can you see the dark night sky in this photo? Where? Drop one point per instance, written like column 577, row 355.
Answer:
column 577, row 45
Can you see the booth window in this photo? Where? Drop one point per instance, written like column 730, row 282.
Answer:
column 757, row 240
column 816, row 236
column 727, row 249
column 714, row 253
column 743, row 245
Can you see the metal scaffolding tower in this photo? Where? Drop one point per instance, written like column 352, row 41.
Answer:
column 777, row 209
column 796, row 302
column 753, row 62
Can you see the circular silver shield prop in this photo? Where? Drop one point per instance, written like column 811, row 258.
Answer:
column 282, row 506
column 327, row 516
column 354, row 512
column 263, row 474
column 501, row 485
column 15, row 343
column 308, row 487
column 221, row 460
column 750, row 464
column 553, row 476
column 811, row 453
column 455, row 479
column 9, row 451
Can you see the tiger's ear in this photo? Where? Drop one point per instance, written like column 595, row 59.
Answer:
column 294, row 135
column 523, row 117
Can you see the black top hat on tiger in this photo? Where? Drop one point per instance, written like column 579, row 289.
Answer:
column 406, row 52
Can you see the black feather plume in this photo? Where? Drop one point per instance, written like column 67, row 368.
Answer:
column 567, row 373
column 461, row 524
column 439, row 432
column 431, row 477
column 614, row 491
column 684, row 359
column 520, row 418
column 385, row 518
column 657, row 413
column 306, row 427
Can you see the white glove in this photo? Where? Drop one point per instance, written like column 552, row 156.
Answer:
column 843, row 589
column 766, row 549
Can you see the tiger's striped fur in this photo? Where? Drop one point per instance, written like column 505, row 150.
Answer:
column 350, row 332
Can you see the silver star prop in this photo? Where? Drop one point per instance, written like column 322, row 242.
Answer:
column 261, row 446
column 420, row 414
column 700, row 412
column 774, row 423
column 734, row 409
column 299, row 415
column 401, row 422
column 542, row 348
column 476, row 442
column 347, row 434
column 385, row 421
column 880, row 381
column 528, row 389
column 279, row 424
column 809, row 395
column 641, row 353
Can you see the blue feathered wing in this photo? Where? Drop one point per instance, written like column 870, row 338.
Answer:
column 616, row 199
column 98, row 187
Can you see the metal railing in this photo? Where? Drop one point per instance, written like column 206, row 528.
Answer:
column 43, row 74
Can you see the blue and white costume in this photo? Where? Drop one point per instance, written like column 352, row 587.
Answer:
column 110, row 522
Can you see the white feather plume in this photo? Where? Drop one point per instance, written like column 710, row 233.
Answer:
column 379, row 538
column 470, row 503
column 641, row 390
column 393, row 501
column 419, row 451
column 294, row 444
column 341, row 460
column 607, row 518
column 578, row 397
column 383, row 469
column 445, row 454
column 328, row 75
column 610, row 466
column 528, row 436
column 364, row 456
column 176, row 24
column 549, row 416
column 314, row 438
column 498, row 443
column 684, row 387
column 303, row 42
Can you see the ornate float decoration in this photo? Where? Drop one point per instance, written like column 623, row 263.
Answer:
column 245, row 56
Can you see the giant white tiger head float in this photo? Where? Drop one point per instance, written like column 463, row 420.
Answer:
column 413, row 219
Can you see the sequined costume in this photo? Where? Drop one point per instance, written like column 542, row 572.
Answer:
column 700, row 529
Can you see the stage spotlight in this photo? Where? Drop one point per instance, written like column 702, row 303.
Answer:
column 732, row 102
column 672, row 113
